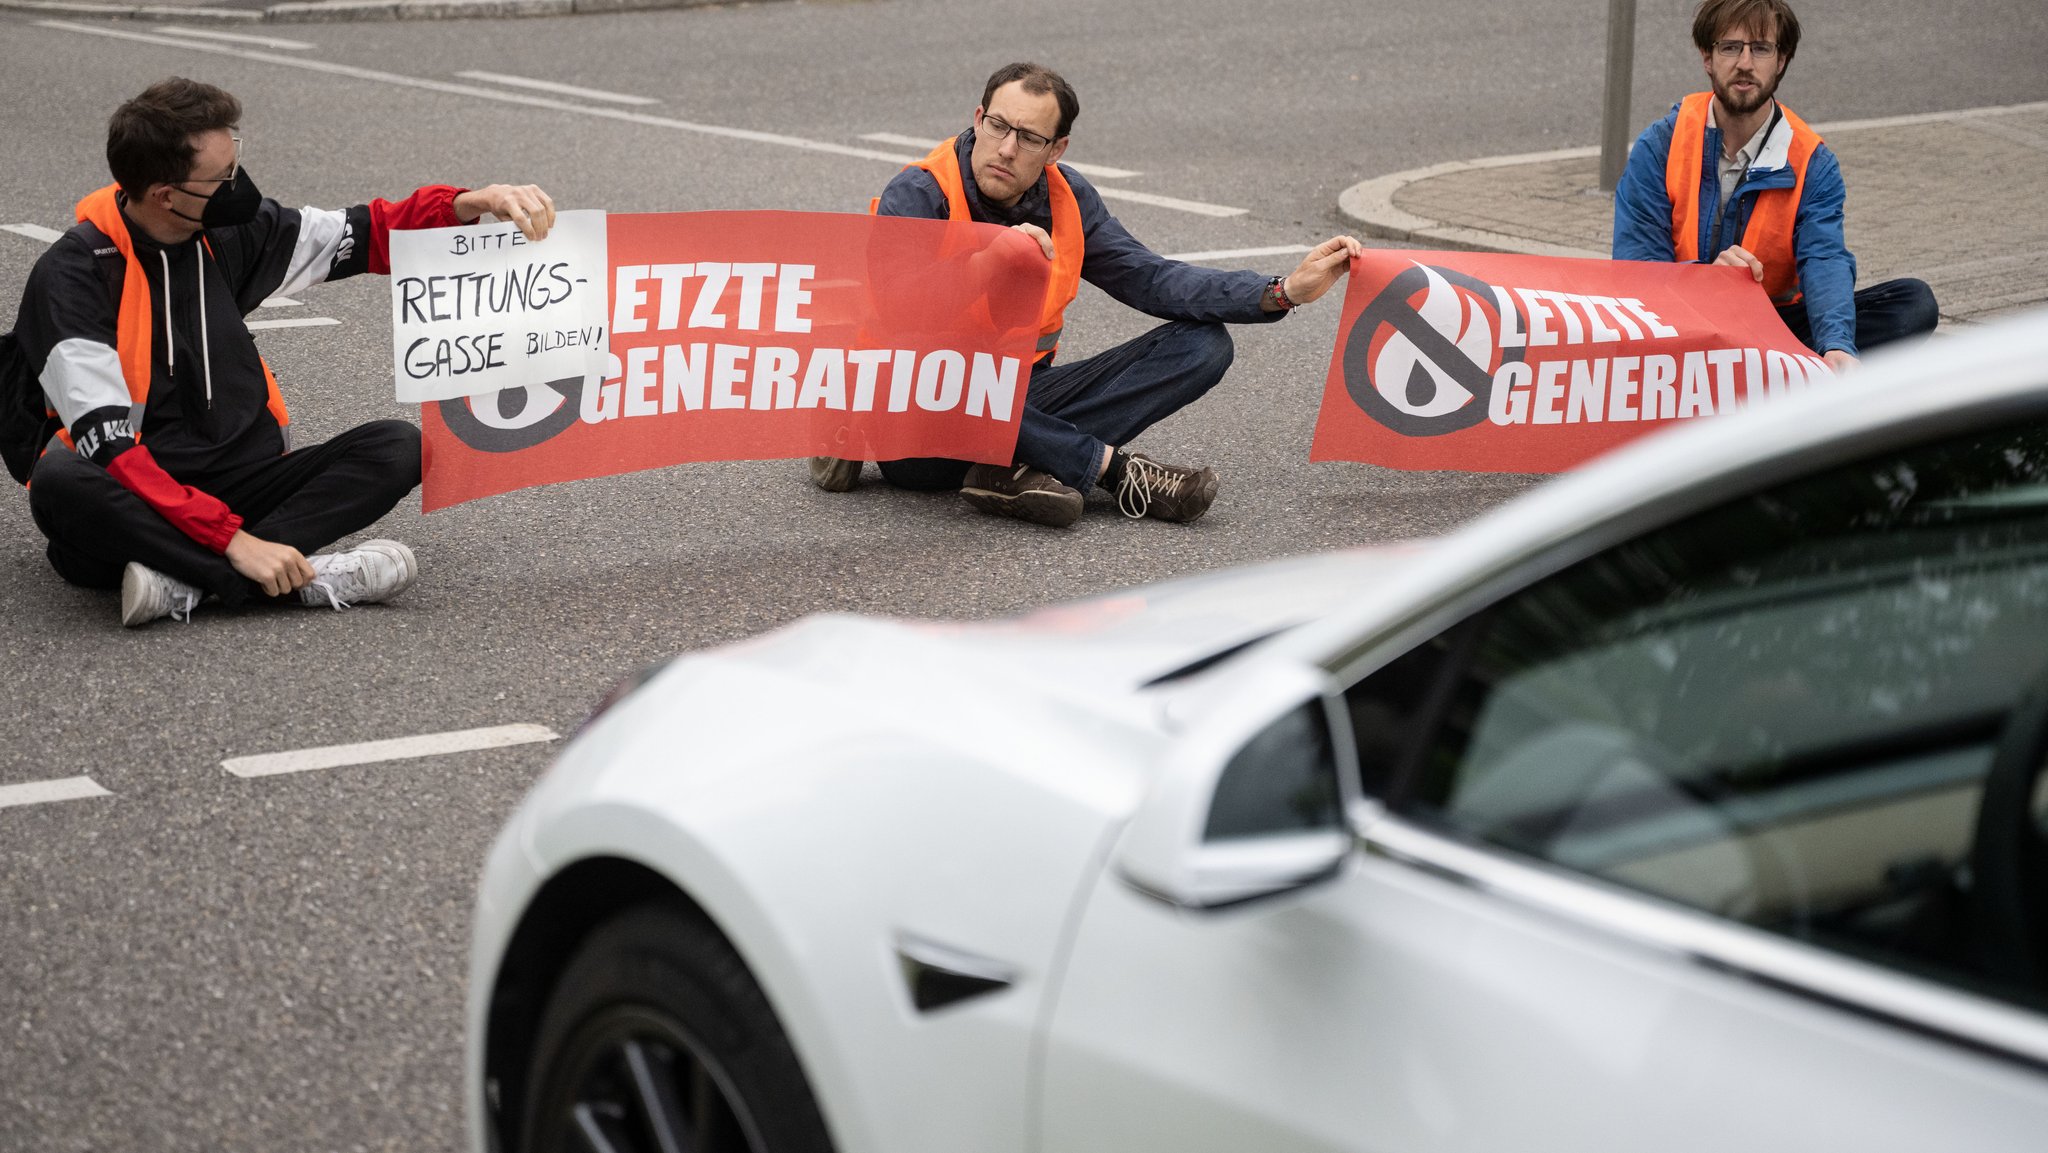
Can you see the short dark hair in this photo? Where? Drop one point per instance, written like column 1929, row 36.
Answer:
column 149, row 139
column 1714, row 17
column 1039, row 81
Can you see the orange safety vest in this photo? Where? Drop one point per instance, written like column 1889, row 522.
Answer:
column 1768, row 236
column 1067, row 239
column 133, row 332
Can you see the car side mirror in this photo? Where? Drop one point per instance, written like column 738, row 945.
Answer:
column 1250, row 800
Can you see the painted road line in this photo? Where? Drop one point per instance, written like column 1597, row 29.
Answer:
column 1238, row 253
column 396, row 749
column 32, row 231
column 1194, row 206
column 282, row 302
column 558, row 89
column 41, row 792
column 624, row 115
column 294, row 322
column 1099, row 171
column 241, row 38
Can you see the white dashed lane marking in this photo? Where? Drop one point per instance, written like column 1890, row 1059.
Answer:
column 1099, row 171
column 1238, row 253
column 42, row 792
column 33, row 232
column 281, row 302
column 625, row 115
column 558, row 89
column 294, row 322
column 241, row 38
column 397, row 749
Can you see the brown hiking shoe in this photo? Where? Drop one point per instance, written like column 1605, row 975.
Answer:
column 1145, row 487
column 1022, row 492
column 835, row 475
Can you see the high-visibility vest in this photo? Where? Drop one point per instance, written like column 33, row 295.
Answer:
column 1067, row 240
column 134, row 323
column 1772, row 215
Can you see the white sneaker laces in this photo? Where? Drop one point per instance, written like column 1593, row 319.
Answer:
column 182, row 604
column 1143, row 480
column 333, row 569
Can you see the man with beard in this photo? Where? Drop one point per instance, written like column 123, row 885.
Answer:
column 1733, row 177
column 166, row 467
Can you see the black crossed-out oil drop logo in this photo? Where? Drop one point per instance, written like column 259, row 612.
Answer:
column 516, row 418
column 1426, row 368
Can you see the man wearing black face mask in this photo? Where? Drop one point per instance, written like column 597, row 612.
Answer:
column 179, row 480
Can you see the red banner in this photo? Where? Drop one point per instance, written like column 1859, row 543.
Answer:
column 768, row 335
column 1482, row 362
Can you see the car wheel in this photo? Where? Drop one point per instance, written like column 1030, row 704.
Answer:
column 656, row 1038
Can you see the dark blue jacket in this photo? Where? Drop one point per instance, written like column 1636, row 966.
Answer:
column 1827, row 271
column 1111, row 259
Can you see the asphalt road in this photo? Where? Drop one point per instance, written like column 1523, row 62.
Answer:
column 201, row 961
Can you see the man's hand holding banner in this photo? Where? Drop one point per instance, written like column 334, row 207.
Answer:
column 753, row 336
column 1480, row 362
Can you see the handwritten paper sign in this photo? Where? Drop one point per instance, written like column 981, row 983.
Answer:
column 480, row 308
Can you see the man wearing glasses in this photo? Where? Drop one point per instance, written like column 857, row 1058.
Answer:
column 1733, row 177
column 1078, row 416
column 176, row 478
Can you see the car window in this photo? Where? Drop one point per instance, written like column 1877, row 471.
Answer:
column 1283, row 781
column 1781, row 711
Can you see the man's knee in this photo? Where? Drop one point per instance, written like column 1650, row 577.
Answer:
column 1895, row 310
column 59, row 483
column 395, row 447
column 1212, row 347
column 1918, row 313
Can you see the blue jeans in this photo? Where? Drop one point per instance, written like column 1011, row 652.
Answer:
column 1071, row 411
column 1894, row 310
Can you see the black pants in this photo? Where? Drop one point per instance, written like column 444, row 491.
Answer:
column 307, row 499
column 1892, row 311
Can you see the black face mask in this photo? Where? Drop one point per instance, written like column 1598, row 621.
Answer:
column 233, row 202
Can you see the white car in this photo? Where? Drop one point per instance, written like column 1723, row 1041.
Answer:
column 1691, row 801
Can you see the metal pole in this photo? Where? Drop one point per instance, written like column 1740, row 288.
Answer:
column 1616, row 127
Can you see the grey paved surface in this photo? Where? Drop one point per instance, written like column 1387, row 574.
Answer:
column 1954, row 200
column 199, row 962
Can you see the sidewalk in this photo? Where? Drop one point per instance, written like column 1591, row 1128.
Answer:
column 1953, row 198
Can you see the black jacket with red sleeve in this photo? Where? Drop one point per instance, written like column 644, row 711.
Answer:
column 208, row 404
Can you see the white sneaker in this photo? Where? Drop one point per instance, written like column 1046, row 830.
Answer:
column 373, row 571
column 147, row 594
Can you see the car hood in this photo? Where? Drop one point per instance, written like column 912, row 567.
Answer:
column 1117, row 642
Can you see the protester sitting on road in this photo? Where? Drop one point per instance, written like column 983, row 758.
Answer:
column 1733, row 177
column 179, row 480
column 1078, row 416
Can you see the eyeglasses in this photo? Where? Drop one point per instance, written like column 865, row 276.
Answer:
column 1758, row 49
column 233, row 169
column 1027, row 142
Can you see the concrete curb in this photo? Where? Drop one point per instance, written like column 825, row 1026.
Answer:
column 1370, row 204
column 341, row 11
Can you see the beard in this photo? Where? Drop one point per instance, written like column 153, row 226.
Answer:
column 1725, row 93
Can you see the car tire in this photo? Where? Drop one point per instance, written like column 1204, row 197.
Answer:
column 657, row 1038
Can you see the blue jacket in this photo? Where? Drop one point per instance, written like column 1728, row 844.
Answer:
column 1111, row 258
column 1827, row 271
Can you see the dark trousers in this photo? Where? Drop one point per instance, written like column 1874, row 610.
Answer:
column 1071, row 411
column 1894, row 310
column 307, row 499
